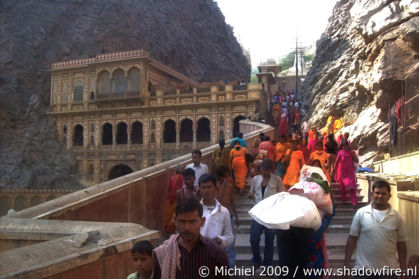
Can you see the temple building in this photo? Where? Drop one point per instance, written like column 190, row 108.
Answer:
column 124, row 111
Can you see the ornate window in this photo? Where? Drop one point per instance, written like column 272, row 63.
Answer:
column 119, row 82
column 78, row 135
column 122, row 134
column 186, row 132
column 221, row 121
column 137, row 133
column 104, row 83
column 203, row 133
column 78, row 91
column 134, row 80
column 169, row 133
column 107, row 134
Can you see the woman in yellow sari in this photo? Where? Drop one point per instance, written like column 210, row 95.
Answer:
column 238, row 164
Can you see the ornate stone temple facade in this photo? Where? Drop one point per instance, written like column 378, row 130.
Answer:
column 121, row 112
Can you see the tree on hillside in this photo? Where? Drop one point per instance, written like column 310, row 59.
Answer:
column 287, row 61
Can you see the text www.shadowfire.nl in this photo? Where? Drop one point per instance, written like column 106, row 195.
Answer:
column 279, row 271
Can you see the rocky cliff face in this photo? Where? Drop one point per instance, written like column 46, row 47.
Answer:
column 189, row 35
column 367, row 49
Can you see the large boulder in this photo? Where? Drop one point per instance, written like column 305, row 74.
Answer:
column 367, row 51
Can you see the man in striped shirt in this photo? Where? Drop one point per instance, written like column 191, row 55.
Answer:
column 183, row 254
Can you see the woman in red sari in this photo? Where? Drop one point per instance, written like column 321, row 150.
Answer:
column 267, row 147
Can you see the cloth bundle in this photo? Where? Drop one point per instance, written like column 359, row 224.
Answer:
column 306, row 171
column 282, row 210
column 314, row 186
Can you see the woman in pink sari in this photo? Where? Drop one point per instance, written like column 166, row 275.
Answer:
column 345, row 171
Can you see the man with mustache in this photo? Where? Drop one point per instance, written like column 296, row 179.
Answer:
column 183, row 254
column 378, row 233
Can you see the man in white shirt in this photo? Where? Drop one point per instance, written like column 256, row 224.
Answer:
column 217, row 224
column 378, row 233
column 197, row 166
column 263, row 186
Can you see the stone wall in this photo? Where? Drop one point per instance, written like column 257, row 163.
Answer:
column 19, row 199
column 138, row 198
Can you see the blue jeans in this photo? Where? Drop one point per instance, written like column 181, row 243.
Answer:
column 256, row 231
column 231, row 250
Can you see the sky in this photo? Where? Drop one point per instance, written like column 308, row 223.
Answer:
column 268, row 28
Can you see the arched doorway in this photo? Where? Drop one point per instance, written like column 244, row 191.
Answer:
column 186, row 133
column 107, row 134
column 137, row 133
column 119, row 170
column 121, row 133
column 236, row 125
column 169, row 134
column 78, row 135
column 203, row 132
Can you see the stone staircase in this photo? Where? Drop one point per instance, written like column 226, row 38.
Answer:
column 336, row 234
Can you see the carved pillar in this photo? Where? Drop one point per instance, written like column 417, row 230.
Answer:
column 113, row 138
column 178, row 137
column 129, row 135
column 194, row 136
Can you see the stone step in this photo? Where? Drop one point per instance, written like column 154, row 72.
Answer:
column 335, row 242
column 335, row 259
column 349, row 212
column 337, row 219
column 333, row 228
column 338, row 228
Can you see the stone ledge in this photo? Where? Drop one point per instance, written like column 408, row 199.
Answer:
column 88, row 242
column 412, row 196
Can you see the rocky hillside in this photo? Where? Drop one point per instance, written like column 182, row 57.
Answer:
column 367, row 48
column 189, row 35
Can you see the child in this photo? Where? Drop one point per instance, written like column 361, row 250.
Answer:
column 188, row 190
column 143, row 260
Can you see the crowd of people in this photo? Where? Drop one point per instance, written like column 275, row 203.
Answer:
column 201, row 216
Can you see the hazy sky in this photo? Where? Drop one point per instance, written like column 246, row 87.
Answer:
column 268, row 27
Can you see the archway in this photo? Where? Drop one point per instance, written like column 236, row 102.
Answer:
column 121, row 133
column 203, row 133
column 104, row 83
column 119, row 170
column 137, row 133
column 107, row 134
column 236, row 125
column 78, row 135
column 119, row 83
column 186, row 133
column 134, row 81
column 169, row 134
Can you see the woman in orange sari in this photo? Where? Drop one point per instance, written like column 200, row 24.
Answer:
column 322, row 157
column 295, row 158
column 238, row 164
